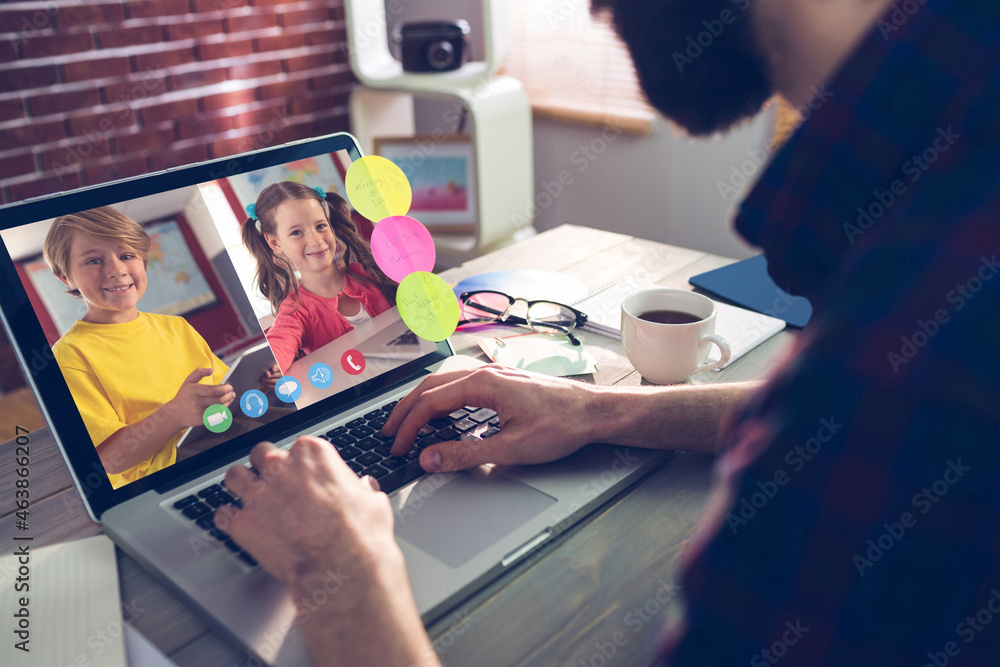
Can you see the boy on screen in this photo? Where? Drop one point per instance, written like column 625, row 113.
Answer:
column 138, row 379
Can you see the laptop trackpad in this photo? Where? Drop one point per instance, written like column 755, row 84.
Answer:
column 466, row 515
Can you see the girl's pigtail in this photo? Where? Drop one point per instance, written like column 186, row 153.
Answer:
column 356, row 249
column 275, row 276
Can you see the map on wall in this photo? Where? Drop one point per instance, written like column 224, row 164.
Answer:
column 319, row 171
column 174, row 283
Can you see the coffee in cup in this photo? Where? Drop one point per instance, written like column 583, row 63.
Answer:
column 667, row 334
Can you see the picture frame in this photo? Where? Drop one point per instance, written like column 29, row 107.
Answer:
column 323, row 171
column 442, row 174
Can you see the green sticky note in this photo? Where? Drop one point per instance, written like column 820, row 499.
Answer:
column 427, row 305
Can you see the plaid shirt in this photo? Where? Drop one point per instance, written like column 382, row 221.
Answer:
column 856, row 520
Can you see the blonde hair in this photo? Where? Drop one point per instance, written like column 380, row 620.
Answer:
column 275, row 277
column 104, row 222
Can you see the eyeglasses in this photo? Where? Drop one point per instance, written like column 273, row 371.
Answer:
column 547, row 317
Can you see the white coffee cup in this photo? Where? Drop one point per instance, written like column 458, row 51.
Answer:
column 670, row 353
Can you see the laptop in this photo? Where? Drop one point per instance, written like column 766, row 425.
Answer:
column 458, row 531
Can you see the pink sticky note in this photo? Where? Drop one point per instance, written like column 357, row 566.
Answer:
column 401, row 245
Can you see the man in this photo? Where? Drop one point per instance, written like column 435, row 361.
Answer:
column 880, row 434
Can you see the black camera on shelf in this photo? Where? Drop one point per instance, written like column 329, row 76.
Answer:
column 431, row 46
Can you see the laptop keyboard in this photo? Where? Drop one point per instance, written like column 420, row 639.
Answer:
column 361, row 444
column 365, row 450
column 200, row 507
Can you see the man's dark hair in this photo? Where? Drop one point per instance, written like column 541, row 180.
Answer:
column 697, row 60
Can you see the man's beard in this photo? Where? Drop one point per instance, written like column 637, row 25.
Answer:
column 697, row 60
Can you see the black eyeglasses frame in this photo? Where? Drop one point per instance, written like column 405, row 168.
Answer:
column 506, row 318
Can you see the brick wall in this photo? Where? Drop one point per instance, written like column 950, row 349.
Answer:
column 94, row 91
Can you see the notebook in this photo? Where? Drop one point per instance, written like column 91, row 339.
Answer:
column 743, row 329
column 66, row 609
column 470, row 527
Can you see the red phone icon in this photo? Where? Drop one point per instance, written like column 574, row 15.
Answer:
column 353, row 362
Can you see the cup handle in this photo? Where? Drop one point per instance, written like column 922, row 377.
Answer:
column 723, row 348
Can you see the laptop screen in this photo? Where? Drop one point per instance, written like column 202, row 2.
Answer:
column 141, row 302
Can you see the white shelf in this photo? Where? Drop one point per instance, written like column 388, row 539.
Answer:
column 375, row 66
column 390, row 75
column 499, row 121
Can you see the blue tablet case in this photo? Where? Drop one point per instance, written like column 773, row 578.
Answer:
column 747, row 284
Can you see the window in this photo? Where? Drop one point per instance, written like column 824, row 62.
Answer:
column 574, row 67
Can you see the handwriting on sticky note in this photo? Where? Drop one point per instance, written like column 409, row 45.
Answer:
column 427, row 305
column 377, row 188
column 401, row 245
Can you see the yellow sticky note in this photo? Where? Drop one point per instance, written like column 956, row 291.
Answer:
column 377, row 188
column 427, row 305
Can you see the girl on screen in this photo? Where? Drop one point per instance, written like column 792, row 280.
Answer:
column 293, row 227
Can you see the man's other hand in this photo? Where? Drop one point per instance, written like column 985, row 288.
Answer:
column 541, row 418
column 328, row 535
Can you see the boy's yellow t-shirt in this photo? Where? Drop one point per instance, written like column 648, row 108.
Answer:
column 120, row 374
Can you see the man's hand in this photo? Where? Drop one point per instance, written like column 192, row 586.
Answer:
column 188, row 405
column 314, row 525
column 545, row 418
column 542, row 418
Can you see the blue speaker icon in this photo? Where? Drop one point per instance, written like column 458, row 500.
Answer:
column 320, row 375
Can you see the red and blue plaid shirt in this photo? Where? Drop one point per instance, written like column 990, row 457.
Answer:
column 857, row 519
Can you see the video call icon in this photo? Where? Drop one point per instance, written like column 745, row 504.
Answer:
column 253, row 403
column 288, row 389
column 320, row 375
column 217, row 418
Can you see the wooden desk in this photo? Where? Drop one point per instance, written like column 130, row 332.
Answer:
column 599, row 596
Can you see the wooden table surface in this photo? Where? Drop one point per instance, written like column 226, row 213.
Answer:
column 598, row 596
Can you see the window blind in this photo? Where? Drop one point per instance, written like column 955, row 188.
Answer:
column 574, row 67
